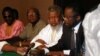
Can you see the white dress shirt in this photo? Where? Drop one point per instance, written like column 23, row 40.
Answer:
column 45, row 34
column 91, row 25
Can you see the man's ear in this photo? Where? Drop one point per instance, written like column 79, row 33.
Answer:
column 78, row 18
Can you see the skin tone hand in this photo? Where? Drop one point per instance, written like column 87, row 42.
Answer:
column 41, row 47
column 21, row 50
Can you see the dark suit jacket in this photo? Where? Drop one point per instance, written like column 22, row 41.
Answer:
column 80, row 38
column 65, row 42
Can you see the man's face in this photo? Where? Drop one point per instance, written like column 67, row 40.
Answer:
column 8, row 17
column 32, row 17
column 53, row 19
column 68, row 16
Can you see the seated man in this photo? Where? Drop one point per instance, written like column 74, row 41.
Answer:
column 34, row 26
column 12, row 27
column 50, row 34
column 71, row 41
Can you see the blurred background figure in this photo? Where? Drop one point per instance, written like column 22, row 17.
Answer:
column 91, row 25
column 12, row 27
column 34, row 26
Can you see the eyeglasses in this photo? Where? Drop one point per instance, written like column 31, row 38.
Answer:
column 7, row 16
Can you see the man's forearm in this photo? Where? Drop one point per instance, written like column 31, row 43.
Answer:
column 8, row 47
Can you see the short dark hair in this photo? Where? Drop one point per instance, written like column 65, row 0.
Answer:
column 36, row 11
column 56, row 9
column 15, row 13
column 75, row 9
column 7, row 9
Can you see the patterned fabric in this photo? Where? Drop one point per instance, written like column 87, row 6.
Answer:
column 7, row 32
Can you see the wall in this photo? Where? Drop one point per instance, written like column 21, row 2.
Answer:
column 22, row 5
column 43, row 6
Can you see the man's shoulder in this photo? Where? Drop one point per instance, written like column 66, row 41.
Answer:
column 28, row 25
column 3, row 25
column 47, row 26
column 41, row 24
column 18, row 23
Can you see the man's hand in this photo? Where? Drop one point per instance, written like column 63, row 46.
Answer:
column 55, row 53
column 21, row 50
column 41, row 41
column 41, row 47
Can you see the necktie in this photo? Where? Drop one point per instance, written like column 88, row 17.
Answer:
column 72, row 39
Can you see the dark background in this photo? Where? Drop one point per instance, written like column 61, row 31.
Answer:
column 42, row 5
column 84, row 5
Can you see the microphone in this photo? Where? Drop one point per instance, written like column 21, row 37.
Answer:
column 29, row 48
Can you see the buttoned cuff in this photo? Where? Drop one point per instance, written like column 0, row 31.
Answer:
column 46, row 50
column 2, row 43
column 66, row 52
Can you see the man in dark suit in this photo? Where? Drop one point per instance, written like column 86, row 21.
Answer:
column 64, row 45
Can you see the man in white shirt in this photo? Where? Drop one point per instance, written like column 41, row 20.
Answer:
column 64, row 46
column 50, row 34
column 91, row 26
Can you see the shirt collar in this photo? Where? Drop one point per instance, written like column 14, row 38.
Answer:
column 77, row 27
